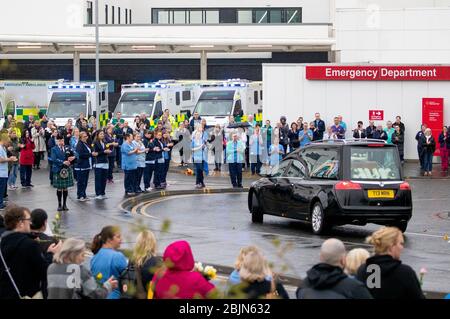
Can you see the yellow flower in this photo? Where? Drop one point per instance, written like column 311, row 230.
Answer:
column 57, row 217
column 99, row 276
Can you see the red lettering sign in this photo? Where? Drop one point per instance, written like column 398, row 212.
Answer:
column 433, row 117
column 378, row 73
column 376, row 115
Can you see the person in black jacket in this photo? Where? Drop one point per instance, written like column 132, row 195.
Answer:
column 50, row 144
column 327, row 279
column 83, row 166
column 398, row 138
column 379, row 134
column 319, row 124
column 112, row 144
column 370, row 129
column 284, row 132
column 420, row 153
column 359, row 132
column 145, row 261
column 22, row 256
column 444, row 144
column 150, row 161
column 38, row 227
column 294, row 143
column 428, row 149
column 157, row 146
column 398, row 121
column 384, row 274
column 101, row 165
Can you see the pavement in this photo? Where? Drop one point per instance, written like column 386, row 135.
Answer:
column 217, row 224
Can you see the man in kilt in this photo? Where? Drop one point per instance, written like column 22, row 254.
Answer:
column 62, row 172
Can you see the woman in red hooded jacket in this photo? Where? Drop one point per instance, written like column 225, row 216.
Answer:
column 26, row 159
column 179, row 281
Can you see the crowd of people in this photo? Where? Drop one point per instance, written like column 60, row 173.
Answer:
column 144, row 151
column 35, row 265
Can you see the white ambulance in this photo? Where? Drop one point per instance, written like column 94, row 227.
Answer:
column 220, row 99
column 67, row 100
column 23, row 97
column 153, row 98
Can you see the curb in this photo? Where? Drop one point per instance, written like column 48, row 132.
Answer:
column 130, row 202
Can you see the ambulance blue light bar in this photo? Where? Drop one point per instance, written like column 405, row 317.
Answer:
column 60, row 86
column 144, row 85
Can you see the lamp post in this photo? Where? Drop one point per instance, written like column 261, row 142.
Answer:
column 97, row 67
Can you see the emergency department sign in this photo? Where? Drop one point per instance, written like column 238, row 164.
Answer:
column 378, row 73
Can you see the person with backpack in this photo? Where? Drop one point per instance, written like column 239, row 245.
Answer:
column 142, row 267
column 327, row 279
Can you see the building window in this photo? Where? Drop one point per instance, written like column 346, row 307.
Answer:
column 129, row 18
column 196, row 17
column 294, row 15
column 118, row 15
column 261, row 16
column 275, row 16
column 126, row 16
column 179, row 17
column 245, row 16
column 255, row 97
column 212, row 16
column 177, row 98
column 227, row 16
column 89, row 12
column 106, row 14
column 113, row 12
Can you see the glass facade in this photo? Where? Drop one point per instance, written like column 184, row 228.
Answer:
column 227, row 15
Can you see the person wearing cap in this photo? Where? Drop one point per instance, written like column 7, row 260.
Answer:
column 62, row 158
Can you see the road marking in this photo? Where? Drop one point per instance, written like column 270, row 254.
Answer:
column 144, row 206
column 425, row 235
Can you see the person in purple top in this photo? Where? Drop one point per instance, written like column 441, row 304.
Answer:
column 338, row 129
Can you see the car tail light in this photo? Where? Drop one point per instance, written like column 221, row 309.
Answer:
column 376, row 145
column 405, row 186
column 347, row 185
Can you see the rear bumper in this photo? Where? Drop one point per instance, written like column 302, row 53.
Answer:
column 363, row 216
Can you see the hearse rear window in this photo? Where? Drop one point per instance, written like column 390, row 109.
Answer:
column 374, row 163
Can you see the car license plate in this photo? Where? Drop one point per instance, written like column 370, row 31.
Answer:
column 381, row 193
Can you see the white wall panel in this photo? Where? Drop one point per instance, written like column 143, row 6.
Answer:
column 351, row 99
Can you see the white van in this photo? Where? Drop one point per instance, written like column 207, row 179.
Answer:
column 23, row 97
column 220, row 99
column 153, row 98
column 68, row 100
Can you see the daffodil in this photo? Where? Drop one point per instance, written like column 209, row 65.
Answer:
column 57, row 217
column 99, row 276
